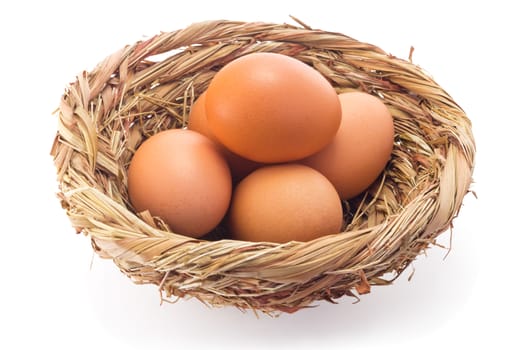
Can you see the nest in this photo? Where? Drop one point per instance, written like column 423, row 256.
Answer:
column 150, row 86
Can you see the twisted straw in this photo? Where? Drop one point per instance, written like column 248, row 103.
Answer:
column 149, row 86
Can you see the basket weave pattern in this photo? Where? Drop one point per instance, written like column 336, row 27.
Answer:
column 149, row 86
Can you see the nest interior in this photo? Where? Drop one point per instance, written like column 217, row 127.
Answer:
column 149, row 86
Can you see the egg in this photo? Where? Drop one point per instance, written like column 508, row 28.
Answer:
column 197, row 121
column 272, row 108
column 285, row 202
column 181, row 177
column 361, row 148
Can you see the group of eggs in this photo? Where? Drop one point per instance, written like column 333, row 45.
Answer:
column 270, row 151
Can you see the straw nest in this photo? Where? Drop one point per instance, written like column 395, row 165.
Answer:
column 150, row 86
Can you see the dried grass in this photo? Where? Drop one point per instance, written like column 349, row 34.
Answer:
column 149, row 86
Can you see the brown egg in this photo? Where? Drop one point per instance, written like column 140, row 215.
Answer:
column 361, row 147
column 272, row 108
column 181, row 177
column 239, row 166
column 286, row 202
column 197, row 117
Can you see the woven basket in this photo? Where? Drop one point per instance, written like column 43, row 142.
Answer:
column 150, row 86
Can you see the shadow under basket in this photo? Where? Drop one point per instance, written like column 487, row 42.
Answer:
column 150, row 86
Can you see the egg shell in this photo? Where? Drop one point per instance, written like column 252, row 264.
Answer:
column 197, row 121
column 181, row 177
column 286, row 202
column 362, row 146
column 272, row 108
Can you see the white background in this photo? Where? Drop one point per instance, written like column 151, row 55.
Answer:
column 55, row 293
